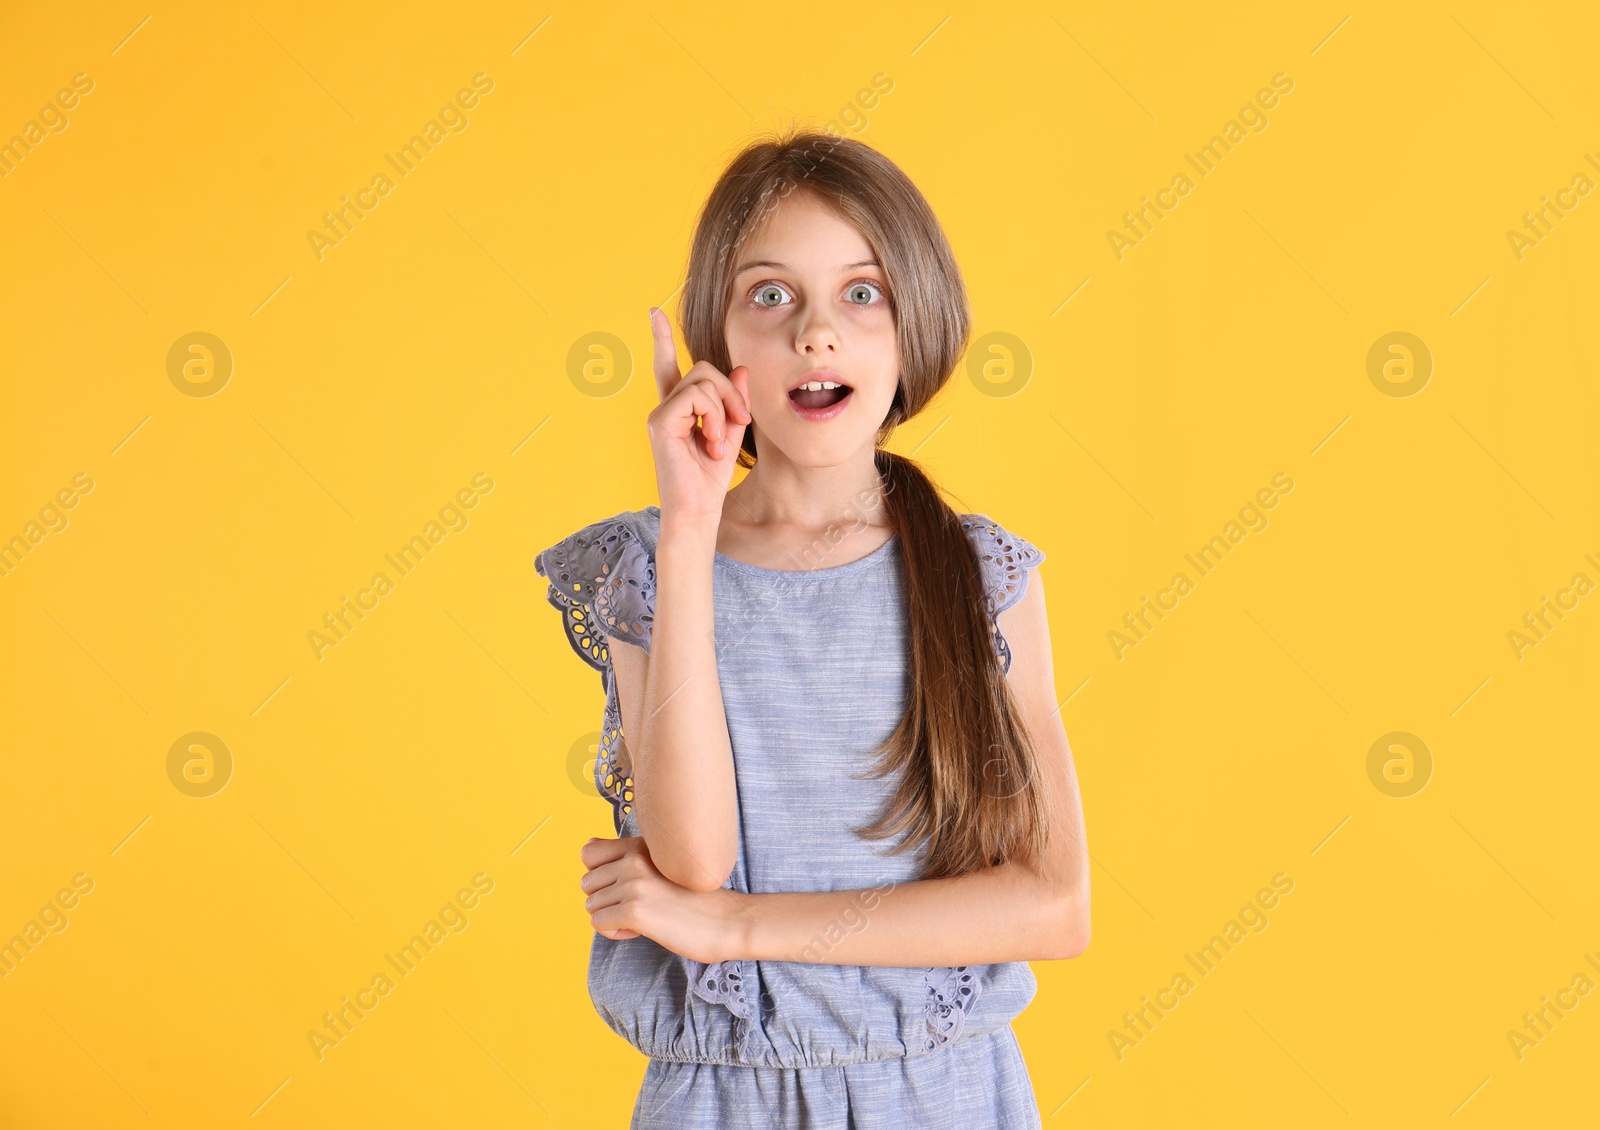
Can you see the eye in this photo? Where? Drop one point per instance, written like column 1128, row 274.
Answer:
column 768, row 294
column 862, row 290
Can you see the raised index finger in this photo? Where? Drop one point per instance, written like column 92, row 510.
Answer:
column 666, row 364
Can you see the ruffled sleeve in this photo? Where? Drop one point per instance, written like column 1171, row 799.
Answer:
column 1003, row 561
column 603, row 582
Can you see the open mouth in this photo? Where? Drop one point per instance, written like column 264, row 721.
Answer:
column 814, row 399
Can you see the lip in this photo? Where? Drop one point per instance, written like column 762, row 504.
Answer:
column 817, row 415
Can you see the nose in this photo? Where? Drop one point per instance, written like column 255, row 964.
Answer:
column 816, row 335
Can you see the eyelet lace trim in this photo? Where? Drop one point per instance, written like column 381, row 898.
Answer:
column 722, row 983
column 612, row 783
column 952, row 991
column 603, row 582
column 1003, row 560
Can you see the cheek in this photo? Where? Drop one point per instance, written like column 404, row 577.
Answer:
column 883, row 344
column 749, row 342
column 878, row 335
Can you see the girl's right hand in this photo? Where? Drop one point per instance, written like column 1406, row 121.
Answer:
column 694, row 461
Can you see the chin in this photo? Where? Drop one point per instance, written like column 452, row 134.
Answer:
column 819, row 452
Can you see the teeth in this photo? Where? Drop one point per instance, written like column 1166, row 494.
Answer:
column 817, row 386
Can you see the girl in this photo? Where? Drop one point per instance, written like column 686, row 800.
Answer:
column 847, row 813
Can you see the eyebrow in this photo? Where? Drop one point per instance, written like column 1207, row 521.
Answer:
column 784, row 266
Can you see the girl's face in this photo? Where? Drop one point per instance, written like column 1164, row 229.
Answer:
column 811, row 303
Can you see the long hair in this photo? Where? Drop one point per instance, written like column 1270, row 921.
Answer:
column 969, row 790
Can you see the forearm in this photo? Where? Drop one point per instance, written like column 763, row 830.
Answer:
column 1005, row 913
column 684, row 793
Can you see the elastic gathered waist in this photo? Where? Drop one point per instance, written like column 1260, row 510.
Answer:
column 730, row 1059
column 769, row 1059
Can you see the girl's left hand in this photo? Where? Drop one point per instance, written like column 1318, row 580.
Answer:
column 629, row 897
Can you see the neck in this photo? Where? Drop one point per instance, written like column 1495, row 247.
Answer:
column 783, row 494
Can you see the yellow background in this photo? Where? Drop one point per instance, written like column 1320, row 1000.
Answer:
column 433, row 744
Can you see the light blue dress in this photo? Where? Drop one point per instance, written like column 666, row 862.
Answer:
column 813, row 667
